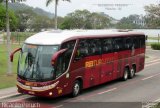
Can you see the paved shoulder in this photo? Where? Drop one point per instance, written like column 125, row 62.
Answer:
column 8, row 92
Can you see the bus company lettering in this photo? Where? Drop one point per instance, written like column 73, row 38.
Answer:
column 93, row 63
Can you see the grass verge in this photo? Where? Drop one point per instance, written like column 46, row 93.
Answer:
column 7, row 81
column 153, row 38
column 155, row 46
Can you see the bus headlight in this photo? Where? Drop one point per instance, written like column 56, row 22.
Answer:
column 50, row 93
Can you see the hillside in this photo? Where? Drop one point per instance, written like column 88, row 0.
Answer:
column 21, row 6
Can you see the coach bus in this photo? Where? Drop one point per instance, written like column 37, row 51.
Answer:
column 56, row 63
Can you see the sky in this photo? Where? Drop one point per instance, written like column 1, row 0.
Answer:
column 114, row 8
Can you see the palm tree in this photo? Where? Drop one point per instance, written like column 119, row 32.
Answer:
column 56, row 3
column 9, row 72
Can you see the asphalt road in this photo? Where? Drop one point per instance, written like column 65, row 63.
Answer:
column 143, row 89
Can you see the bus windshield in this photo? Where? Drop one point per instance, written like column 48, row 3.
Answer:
column 35, row 62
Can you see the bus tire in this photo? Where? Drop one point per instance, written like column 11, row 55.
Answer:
column 132, row 72
column 125, row 74
column 76, row 88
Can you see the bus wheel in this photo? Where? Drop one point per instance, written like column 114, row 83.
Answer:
column 125, row 75
column 132, row 72
column 76, row 88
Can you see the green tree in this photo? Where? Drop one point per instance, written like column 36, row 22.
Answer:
column 153, row 16
column 8, row 33
column 99, row 21
column 29, row 20
column 83, row 19
column 67, row 23
column 2, row 17
column 40, row 22
column 128, row 22
column 56, row 3
column 59, row 21
column 78, row 19
column 12, row 19
column 25, row 19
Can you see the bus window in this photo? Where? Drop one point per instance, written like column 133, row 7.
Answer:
column 128, row 43
column 142, row 41
column 82, row 50
column 136, row 42
column 64, row 59
column 94, row 47
column 68, row 45
column 98, row 46
column 107, row 45
column 118, row 44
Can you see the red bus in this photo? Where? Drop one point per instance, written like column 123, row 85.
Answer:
column 53, row 64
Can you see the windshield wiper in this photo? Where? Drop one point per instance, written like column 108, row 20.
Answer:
column 39, row 74
column 22, row 77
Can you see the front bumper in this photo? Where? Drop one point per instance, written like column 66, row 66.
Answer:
column 47, row 91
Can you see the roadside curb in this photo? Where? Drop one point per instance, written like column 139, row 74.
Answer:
column 148, row 47
column 151, row 58
column 8, row 92
column 13, row 95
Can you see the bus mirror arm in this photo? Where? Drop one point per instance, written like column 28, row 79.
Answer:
column 12, row 54
column 146, row 37
column 56, row 55
column 77, row 58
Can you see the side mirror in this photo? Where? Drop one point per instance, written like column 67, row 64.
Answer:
column 146, row 37
column 56, row 55
column 77, row 56
column 12, row 54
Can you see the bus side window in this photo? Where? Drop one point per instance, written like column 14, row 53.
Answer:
column 115, row 46
column 64, row 59
column 68, row 45
column 94, row 47
column 98, row 46
column 128, row 43
column 136, row 42
column 118, row 44
column 142, row 41
column 82, row 50
column 107, row 45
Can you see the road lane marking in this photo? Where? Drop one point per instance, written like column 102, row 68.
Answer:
column 107, row 91
column 153, row 61
column 151, row 64
column 90, row 95
column 147, row 78
column 20, row 99
column 81, row 97
column 150, row 77
column 58, row 106
column 6, row 96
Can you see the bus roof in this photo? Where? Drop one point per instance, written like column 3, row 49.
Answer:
column 58, row 36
